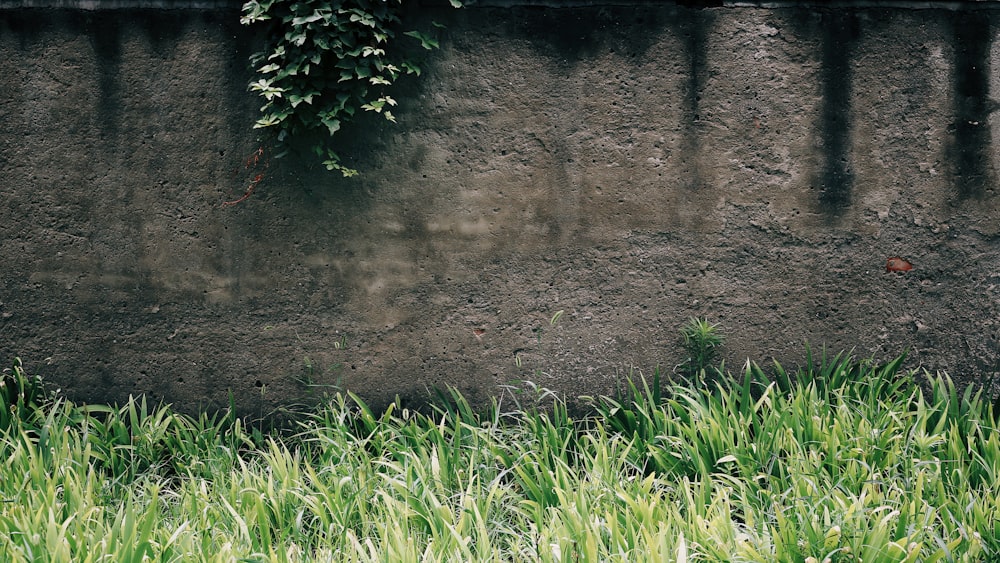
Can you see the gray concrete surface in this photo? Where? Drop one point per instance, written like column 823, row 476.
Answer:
column 630, row 166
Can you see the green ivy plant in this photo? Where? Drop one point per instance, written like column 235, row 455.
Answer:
column 322, row 62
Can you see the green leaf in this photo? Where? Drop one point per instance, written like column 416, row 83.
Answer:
column 315, row 51
column 315, row 16
column 279, row 51
column 333, row 163
column 332, row 125
column 410, row 68
column 266, row 121
column 360, row 17
column 726, row 459
column 295, row 99
column 266, row 89
column 425, row 42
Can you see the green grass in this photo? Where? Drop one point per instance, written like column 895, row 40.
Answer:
column 844, row 460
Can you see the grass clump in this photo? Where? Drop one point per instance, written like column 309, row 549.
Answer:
column 843, row 460
column 702, row 342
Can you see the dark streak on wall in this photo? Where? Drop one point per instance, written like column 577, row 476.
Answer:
column 693, row 28
column 839, row 32
column 971, row 142
column 105, row 35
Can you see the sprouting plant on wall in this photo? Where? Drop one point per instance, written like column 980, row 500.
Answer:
column 323, row 62
column 701, row 341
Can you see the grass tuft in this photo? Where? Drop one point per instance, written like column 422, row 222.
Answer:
column 842, row 460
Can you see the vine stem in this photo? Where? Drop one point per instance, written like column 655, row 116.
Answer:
column 252, row 162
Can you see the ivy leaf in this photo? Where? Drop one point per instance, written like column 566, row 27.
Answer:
column 378, row 105
column 328, row 54
column 247, row 20
column 297, row 39
column 269, row 120
column 333, row 125
column 315, row 16
column 254, row 11
column 295, row 99
column 362, row 18
column 425, row 42
column 278, row 52
column 266, row 89
column 410, row 68
column 332, row 163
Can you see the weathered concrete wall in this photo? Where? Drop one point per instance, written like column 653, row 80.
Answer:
column 630, row 166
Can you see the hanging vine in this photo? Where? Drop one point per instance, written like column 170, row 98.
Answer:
column 323, row 62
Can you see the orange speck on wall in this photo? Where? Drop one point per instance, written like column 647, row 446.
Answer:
column 897, row 264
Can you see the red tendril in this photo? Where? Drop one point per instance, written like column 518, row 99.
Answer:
column 252, row 163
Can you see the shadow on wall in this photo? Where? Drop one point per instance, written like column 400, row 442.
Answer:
column 572, row 38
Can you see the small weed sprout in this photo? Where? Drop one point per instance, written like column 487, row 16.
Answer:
column 341, row 344
column 702, row 341
column 555, row 317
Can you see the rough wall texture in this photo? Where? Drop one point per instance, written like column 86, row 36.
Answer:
column 629, row 166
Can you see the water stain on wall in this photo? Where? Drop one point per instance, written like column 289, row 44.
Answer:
column 693, row 29
column 970, row 150
column 839, row 32
column 105, row 36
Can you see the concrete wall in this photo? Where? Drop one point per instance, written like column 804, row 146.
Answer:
column 631, row 166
